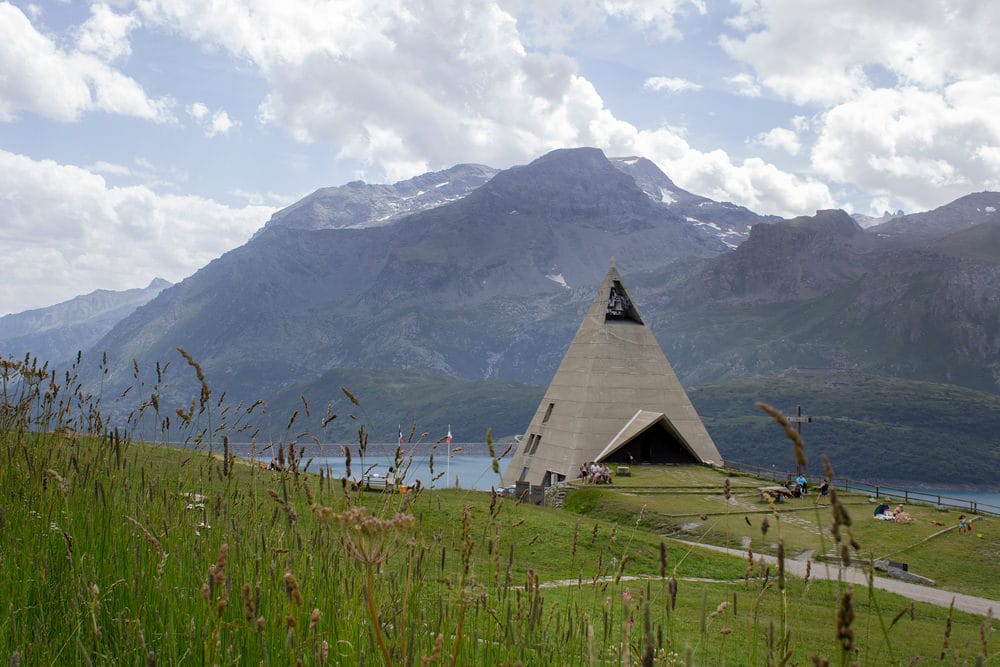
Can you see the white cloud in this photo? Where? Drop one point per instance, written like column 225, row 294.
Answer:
column 110, row 168
column 660, row 15
column 67, row 232
column 745, row 85
column 266, row 198
column 556, row 23
column 221, row 123
column 670, row 84
column 921, row 146
column 903, row 95
column 105, row 34
column 754, row 183
column 780, row 138
column 39, row 77
column 211, row 122
column 391, row 89
column 814, row 51
column 197, row 110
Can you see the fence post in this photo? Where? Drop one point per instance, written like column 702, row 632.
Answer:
column 876, row 490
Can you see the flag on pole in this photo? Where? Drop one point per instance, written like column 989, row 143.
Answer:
column 401, row 439
column 447, row 438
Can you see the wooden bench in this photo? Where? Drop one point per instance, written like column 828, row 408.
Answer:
column 624, row 471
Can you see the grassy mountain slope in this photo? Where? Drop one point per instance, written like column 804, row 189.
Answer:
column 870, row 427
column 390, row 398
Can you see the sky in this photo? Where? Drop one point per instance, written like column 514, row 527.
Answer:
column 144, row 138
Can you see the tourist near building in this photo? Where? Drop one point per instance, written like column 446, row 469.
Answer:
column 614, row 399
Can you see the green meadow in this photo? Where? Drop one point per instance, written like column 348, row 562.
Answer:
column 114, row 551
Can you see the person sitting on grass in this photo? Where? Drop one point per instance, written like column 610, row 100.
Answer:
column 901, row 516
column 605, row 474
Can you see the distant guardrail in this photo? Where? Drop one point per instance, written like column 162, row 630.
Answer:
column 874, row 490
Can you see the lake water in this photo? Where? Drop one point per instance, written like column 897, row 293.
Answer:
column 983, row 497
column 463, row 471
column 472, row 468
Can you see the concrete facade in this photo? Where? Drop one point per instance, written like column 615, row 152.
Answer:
column 614, row 397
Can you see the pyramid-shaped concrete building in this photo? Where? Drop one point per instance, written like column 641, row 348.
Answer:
column 615, row 398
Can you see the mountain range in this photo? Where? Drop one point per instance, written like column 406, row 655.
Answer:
column 465, row 286
column 57, row 333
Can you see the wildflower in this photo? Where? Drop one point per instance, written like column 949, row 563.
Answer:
column 371, row 540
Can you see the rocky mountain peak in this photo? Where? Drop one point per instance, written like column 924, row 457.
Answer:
column 790, row 260
column 653, row 181
column 358, row 204
column 964, row 212
column 571, row 178
column 832, row 222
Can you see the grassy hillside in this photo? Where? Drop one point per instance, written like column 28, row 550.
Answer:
column 689, row 503
column 115, row 551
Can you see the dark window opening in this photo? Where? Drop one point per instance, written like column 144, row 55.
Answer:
column 657, row 444
column 620, row 306
column 548, row 412
column 551, row 478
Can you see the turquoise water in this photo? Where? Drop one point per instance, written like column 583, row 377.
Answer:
column 463, row 471
column 475, row 471
column 984, row 497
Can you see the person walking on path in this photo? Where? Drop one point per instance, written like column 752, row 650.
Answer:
column 824, row 490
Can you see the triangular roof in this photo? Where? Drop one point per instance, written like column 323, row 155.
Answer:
column 614, row 395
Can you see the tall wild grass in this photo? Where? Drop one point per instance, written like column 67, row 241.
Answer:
column 118, row 551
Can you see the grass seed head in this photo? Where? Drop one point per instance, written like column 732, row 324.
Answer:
column 292, row 588
column 798, row 446
column 845, row 617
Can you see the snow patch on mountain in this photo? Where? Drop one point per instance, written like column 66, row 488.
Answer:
column 359, row 205
column 558, row 278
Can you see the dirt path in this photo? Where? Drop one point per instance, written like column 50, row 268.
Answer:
column 856, row 576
